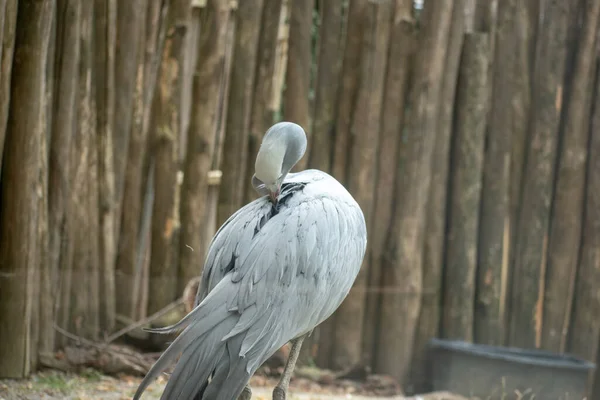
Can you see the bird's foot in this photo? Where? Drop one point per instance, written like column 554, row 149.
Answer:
column 278, row 393
column 246, row 393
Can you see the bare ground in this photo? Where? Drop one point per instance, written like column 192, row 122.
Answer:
column 51, row 385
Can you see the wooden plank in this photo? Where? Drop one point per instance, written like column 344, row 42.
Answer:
column 538, row 180
column 19, row 253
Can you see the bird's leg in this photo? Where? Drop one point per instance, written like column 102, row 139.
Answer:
column 246, row 393
column 281, row 389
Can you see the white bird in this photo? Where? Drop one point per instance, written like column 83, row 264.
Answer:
column 275, row 270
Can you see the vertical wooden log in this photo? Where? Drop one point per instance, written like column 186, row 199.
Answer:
column 130, row 20
column 166, row 133
column 538, row 180
column 19, row 255
column 494, row 225
column 235, row 152
column 402, row 275
column 7, row 45
column 261, row 118
column 527, row 18
column 299, row 61
column 63, row 129
column 201, row 140
column 348, row 88
column 436, row 218
column 585, row 330
column 400, row 52
column 568, row 204
column 326, row 85
column 210, row 225
column 127, row 251
column 349, row 320
column 84, row 307
column 105, row 23
column 465, row 191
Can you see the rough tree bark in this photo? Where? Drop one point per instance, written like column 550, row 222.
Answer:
column 526, row 21
column 326, row 85
column 349, row 320
column 166, row 133
column 201, row 139
column 402, row 275
column 494, row 225
column 130, row 20
column 465, row 190
column 105, row 25
column 434, row 242
column 568, row 204
column 297, row 81
column 585, row 330
column 19, row 255
column 235, row 154
column 348, row 90
column 261, row 118
column 65, row 90
column 538, row 180
column 400, row 53
column 84, row 308
column 7, row 44
column 131, row 202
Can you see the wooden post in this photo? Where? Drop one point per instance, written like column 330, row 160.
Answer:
column 105, row 36
column 65, row 93
column 235, row 151
column 201, row 140
column 165, row 139
column 435, row 240
column 465, row 190
column 568, row 204
column 401, row 297
column 349, row 320
column 585, row 331
column 131, row 202
column 261, row 118
column 348, row 89
column 9, row 22
column 529, row 278
column 326, row 85
column 19, row 255
column 299, row 62
column 494, row 225
column 401, row 51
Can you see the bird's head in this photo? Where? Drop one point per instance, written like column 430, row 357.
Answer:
column 282, row 147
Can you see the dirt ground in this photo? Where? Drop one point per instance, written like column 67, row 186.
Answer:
column 51, row 385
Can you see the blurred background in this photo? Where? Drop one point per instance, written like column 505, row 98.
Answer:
column 467, row 130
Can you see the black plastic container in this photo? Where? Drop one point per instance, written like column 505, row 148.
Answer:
column 490, row 372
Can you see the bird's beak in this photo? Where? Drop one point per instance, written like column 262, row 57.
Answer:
column 273, row 195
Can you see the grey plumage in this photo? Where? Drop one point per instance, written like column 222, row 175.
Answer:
column 272, row 273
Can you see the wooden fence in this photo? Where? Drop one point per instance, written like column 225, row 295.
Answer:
column 468, row 130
